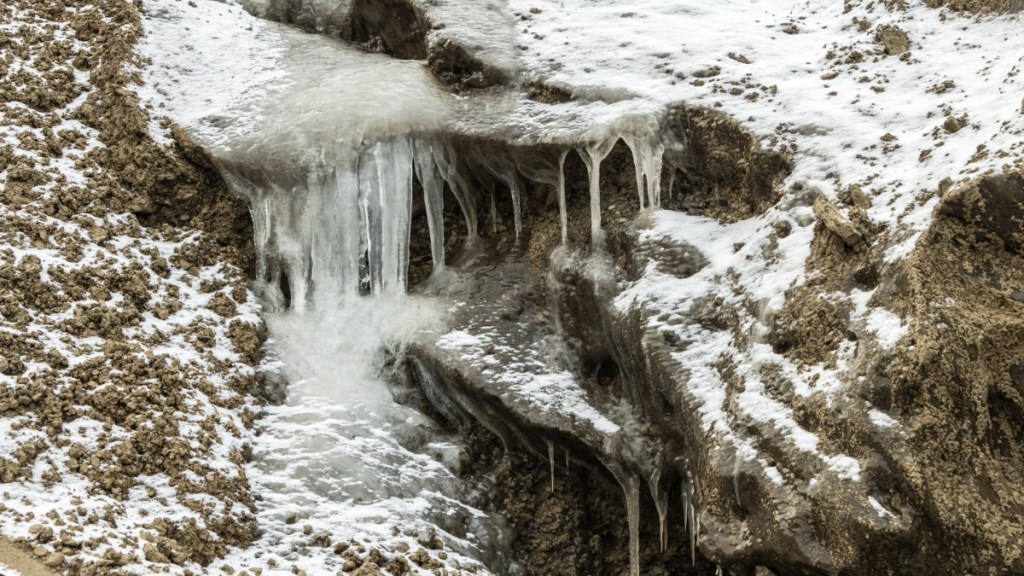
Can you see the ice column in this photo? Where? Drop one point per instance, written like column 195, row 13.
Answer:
column 560, row 188
column 592, row 156
column 661, row 504
column 433, row 199
column 385, row 199
column 551, row 463
column 648, row 153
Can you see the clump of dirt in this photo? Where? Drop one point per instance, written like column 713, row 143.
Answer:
column 978, row 6
column 893, row 39
column 815, row 320
column 723, row 171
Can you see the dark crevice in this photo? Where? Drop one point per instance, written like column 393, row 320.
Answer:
column 399, row 27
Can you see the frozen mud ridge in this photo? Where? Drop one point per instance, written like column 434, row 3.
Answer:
column 713, row 360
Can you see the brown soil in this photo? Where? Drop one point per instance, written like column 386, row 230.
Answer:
column 137, row 189
column 20, row 559
column 958, row 377
column 978, row 6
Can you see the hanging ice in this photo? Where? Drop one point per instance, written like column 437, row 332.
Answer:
column 592, row 156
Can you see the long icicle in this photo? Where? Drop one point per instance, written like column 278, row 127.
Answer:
column 633, row 513
column 661, row 504
column 592, row 156
column 690, row 519
column 551, row 463
column 560, row 187
column 433, row 200
column 517, row 200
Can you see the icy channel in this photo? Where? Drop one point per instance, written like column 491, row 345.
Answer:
column 341, row 457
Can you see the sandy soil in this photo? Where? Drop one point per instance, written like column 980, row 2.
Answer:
column 25, row 563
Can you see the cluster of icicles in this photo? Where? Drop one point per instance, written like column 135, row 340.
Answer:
column 630, row 483
column 343, row 230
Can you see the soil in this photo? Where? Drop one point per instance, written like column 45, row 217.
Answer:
column 19, row 558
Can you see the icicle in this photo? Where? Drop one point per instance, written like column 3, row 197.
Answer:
column 690, row 519
column 551, row 463
column 261, row 234
column 370, row 223
column 562, row 214
column 494, row 213
column 566, row 461
column 648, row 153
column 633, row 514
column 433, row 200
column 661, row 504
column 517, row 199
column 592, row 156
column 671, row 182
column 448, row 165
column 630, row 483
column 735, row 478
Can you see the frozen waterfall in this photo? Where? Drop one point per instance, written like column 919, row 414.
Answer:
column 330, row 147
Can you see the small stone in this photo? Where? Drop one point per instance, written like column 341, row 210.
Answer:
column 97, row 234
column 153, row 554
column 39, row 551
column 952, row 124
column 893, row 39
column 54, row 560
column 836, row 223
column 307, row 529
column 349, row 566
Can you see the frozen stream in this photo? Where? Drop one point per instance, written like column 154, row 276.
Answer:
column 325, row 143
column 343, row 458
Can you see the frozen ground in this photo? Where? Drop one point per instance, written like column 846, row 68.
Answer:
column 809, row 77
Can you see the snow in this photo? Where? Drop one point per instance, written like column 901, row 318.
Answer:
column 655, row 50
column 882, row 511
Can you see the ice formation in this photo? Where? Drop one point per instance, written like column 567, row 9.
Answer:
column 329, row 145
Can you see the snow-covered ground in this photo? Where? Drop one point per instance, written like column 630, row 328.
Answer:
column 810, row 78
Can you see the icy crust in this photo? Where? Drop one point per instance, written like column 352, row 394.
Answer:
column 258, row 93
column 530, row 381
column 124, row 363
